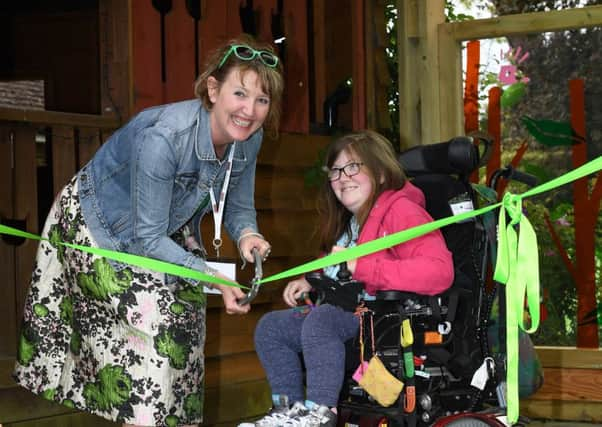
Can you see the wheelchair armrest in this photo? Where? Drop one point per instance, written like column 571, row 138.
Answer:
column 394, row 295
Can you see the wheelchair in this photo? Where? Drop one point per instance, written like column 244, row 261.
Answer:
column 450, row 376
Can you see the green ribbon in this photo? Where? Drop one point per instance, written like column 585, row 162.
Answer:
column 517, row 263
column 517, row 266
column 136, row 260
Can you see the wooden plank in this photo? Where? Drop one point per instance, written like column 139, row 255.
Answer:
column 292, row 150
column 526, row 23
column 319, row 58
column 233, row 23
column 430, row 15
column 115, row 47
column 358, row 64
column 26, row 207
column 570, row 357
column 232, row 369
column 63, row 156
column 7, row 365
column 19, row 404
column 450, row 86
column 77, row 419
column 295, row 107
column 569, row 384
column 57, row 118
column 284, row 191
column 559, row 410
column 284, row 242
column 229, row 404
column 230, row 334
column 409, row 94
column 87, row 144
column 8, row 317
column 179, row 51
column 146, row 55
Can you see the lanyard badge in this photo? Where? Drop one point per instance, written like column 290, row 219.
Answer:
column 218, row 207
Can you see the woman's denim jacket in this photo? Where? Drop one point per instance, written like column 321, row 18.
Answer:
column 153, row 174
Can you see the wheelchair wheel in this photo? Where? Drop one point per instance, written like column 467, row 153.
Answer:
column 480, row 420
column 468, row 422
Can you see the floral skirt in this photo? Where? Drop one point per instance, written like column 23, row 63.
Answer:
column 121, row 342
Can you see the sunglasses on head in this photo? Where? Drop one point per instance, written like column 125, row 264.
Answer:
column 247, row 53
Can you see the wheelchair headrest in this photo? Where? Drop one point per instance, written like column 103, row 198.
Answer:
column 459, row 155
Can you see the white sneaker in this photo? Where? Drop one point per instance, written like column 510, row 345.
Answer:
column 279, row 415
column 319, row 416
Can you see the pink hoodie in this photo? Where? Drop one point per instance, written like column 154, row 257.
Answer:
column 422, row 265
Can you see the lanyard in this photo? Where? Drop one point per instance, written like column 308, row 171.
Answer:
column 218, row 207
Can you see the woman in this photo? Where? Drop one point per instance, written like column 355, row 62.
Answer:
column 127, row 343
column 366, row 197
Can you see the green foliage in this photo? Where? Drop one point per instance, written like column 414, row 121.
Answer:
column 559, row 296
column 450, row 11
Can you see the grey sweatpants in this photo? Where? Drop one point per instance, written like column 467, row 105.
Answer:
column 283, row 336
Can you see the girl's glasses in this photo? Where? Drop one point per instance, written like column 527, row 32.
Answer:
column 350, row 169
column 247, row 53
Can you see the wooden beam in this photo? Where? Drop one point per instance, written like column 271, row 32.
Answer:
column 116, row 87
column 451, row 112
column 570, row 357
column 419, row 73
column 58, row 118
column 527, row 23
column 409, row 95
column 560, row 410
column 358, row 64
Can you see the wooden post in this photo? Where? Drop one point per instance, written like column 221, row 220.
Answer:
column 358, row 65
column 586, row 213
column 429, row 74
column 494, row 128
column 409, row 94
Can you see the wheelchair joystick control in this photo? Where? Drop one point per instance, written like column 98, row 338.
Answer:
column 344, row 275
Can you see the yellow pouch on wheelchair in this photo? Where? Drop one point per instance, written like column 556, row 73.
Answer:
column 380, row 383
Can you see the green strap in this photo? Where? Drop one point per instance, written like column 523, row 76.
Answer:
column 517, row 266
column 376, row 245
column 137, row 260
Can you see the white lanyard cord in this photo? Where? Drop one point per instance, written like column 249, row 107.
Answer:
column 218, row 208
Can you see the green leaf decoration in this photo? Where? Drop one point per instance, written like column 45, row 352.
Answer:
column 513, row 94
column 542, row 174
column 551, row 133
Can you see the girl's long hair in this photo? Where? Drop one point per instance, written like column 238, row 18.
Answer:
column 379, row 162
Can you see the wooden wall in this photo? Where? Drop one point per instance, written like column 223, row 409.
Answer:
column 219, row 22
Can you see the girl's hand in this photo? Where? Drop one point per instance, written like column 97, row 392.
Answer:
column 350, row 263
column 253, row 240
column 230, row 294
column 294, row 290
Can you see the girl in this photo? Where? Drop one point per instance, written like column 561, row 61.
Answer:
column 366, row 197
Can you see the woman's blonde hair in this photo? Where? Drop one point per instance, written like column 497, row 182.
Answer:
column 272, row 82
column 380, row 163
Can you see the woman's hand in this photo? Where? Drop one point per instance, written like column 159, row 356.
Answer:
column 294, row 290
column 230, row 294
column 350, row 263
column 252, row 240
